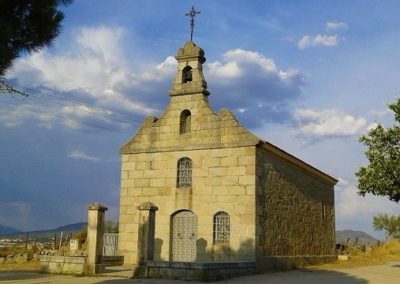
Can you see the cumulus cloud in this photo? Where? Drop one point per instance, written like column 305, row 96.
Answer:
column 334, row 25
column 312, row 124
column 80, row 155
column 250, row 82
column 95, row 71
column 318, row 40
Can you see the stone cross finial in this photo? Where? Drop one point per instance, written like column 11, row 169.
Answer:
column 192, row 14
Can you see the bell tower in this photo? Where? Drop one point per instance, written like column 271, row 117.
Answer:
column 189, row 78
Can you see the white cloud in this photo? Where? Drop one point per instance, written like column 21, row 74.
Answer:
column 241, row 63
column 318, row 40
column 372, row 126
column 253, row 83
column 18, row 113
column 236, row 61
column 330, row 26
column 227, row 70
column 13, row 117
column 95, row 70
column 380, row 113
column 342, row 182
column 314, row 124
column 80, row 155
column 356, row 212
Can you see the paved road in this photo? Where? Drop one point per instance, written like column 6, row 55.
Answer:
column 386, row 274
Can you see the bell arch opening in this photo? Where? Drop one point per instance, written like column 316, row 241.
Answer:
column 187, row 75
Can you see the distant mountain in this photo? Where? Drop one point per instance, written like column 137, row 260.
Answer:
column 45, row 234
column 110, row 226
column 363, row 237
column 4, row 230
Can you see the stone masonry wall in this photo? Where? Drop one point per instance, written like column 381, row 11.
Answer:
column 222, row 180
column 290, row 204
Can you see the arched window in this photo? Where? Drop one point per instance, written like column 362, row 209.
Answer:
column 185, row 121
column 187, row 74
column 222, row 228
column 184, row 176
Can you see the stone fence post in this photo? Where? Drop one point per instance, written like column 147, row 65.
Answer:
column 95, row 232
column 147, row 224
column 146, row 230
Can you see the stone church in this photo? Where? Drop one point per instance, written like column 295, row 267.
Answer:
column 214, row 191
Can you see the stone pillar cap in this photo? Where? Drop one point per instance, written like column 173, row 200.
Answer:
column 147, row 206
column 97, row 206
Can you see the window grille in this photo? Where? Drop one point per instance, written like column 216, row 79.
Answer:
column 185, row 122
column 222, row 228
column 184, row 177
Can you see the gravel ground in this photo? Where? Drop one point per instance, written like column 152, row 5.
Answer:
column 387, row 274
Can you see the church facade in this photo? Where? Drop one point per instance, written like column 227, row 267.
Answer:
column 222, row 193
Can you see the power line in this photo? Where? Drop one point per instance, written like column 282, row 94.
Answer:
column 63, row 117
column 6, row 88
column 84, row 110
column 88, row 106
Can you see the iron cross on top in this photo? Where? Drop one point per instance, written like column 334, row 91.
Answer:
column 192, row 14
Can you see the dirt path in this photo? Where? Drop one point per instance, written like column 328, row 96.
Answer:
column 386, row 274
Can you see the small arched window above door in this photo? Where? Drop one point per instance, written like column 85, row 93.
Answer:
column 185, row 122
column 184, row 175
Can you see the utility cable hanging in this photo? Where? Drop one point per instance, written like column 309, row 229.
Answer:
column 62, row 117
column 6, row 88
column 93, row 110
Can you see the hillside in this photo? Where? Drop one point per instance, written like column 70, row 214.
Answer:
column 45, row 234
column 4, row 230
column 363, row 237
column 110, row 226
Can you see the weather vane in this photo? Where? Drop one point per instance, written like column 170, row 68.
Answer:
column 192, row 14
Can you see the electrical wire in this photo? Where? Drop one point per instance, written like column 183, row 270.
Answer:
column 84, row 110
column 63, row 117
column 105, row 114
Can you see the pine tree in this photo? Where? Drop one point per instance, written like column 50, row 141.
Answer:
column 27, row 26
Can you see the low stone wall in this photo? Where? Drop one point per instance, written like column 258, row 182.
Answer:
column 209, row 271
column 112, row 260
column 63, row 264
column 266, row 263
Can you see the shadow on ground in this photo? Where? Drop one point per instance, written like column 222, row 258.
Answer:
column 303, row 276
column 396, row 265
column 297, row 276
column 20, row 275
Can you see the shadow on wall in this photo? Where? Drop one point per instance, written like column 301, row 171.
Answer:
column 215, row 253
column 158, row 243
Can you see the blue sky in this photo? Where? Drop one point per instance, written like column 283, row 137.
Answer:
column 308, row 76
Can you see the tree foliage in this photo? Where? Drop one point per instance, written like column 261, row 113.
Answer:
column 389, row 224
column 382, row 175
column 26, row 26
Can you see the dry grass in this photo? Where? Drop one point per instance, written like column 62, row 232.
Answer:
column 28, row 266
column 385, row 253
